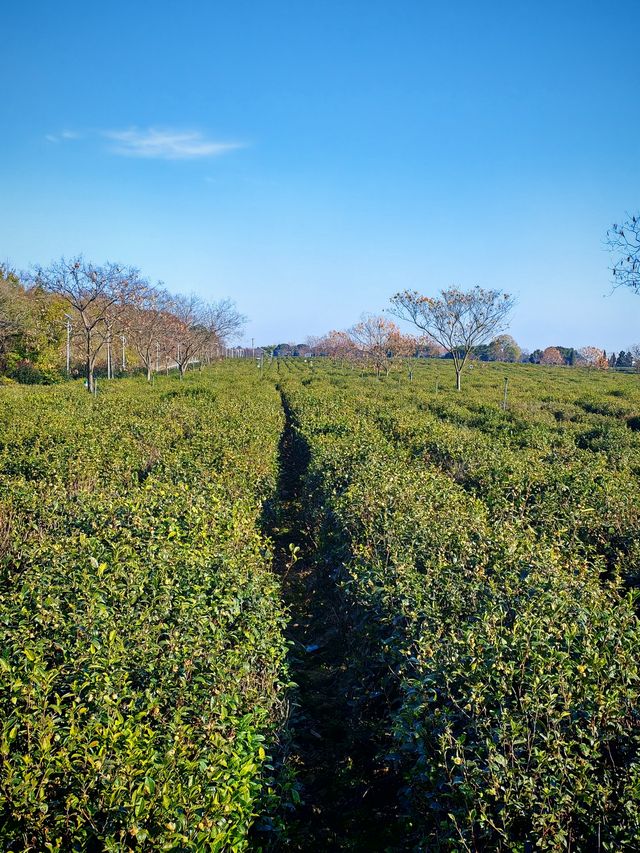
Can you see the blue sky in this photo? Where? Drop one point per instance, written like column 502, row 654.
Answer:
column 309, row 160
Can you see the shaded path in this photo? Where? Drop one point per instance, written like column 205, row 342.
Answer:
column 349, row 799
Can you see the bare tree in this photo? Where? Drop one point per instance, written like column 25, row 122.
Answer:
column 374, row 338
column 314, row 342
column 116, row 315
column 223, row 320
column 624, row 243
column 187, row 330
column 95, row 294
column 457, row 320
column 147, row 322
column 196, row 326
column 336, row 345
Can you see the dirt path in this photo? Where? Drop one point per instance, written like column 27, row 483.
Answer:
column 349, row 798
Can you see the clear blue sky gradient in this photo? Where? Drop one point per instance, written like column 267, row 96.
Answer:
column 380, row 146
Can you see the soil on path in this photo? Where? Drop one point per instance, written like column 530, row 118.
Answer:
column 349, row 795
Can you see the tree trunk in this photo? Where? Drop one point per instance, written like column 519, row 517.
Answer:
column 149, row 371
column 458, row 376
column 89, row 364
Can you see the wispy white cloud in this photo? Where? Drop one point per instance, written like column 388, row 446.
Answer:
column 63, row 136
column 152, row 143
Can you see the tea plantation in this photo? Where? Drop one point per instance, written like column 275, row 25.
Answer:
column 142, row 648
column 159, row 671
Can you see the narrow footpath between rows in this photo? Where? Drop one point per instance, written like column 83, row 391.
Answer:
column 349, row 797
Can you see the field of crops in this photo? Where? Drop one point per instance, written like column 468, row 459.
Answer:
column 486, row 557
column 142, row 649
column 490, row 551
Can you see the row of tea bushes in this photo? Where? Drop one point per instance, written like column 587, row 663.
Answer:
column 547, row 407
column 578, row 487
column 568, row 494
column 142, row 667
column 514, row 668
column 62, row 437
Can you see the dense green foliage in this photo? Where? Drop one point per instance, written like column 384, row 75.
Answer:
column 31, row 332
column 140, row 622
column 488, row 559
column 487, row 548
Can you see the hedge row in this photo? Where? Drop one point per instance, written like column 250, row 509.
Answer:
column 515, row 667
column 142, row 667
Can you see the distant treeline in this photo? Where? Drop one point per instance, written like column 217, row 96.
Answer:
column 76, row 318
column 503, row 348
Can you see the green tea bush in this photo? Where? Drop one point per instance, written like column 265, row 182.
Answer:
column 510, row 663
column 141, row 679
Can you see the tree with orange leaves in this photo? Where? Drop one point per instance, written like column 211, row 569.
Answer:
column 551, row 356
column 377, row 340
column 594, row 357
column 337, row 345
